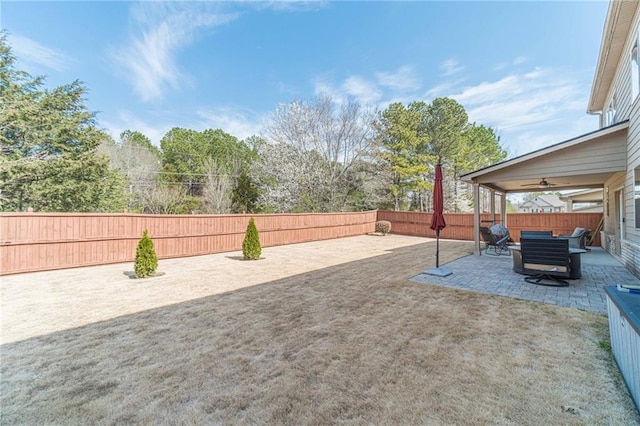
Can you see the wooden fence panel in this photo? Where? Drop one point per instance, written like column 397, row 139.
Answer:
column 42, row 241
column 460, row 225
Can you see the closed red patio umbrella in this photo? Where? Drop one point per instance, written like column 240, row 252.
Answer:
column 437, row 220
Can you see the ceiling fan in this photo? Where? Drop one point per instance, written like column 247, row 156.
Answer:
column 543, row 184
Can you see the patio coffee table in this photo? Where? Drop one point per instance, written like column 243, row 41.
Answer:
column 574, row 253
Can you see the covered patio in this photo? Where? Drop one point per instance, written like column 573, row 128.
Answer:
column 587, row 161
column 495, row 275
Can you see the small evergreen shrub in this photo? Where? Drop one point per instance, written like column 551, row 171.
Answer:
column 383, row 227
column 251, row 248
column 146, row 257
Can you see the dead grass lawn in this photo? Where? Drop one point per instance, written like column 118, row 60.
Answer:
column 355, row 343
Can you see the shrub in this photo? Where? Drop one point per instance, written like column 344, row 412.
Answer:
column 146, row 257
column 251, row 248
column 383, row 227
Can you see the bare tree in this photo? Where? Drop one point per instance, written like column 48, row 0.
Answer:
column 325, row 140
column 163, row 199
column 135, row 157
column 216, row 193
column 280, row 172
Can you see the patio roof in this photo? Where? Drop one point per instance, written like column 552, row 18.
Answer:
column 587, row 196
column 586, row 161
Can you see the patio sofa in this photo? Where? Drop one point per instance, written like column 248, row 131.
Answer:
column 577, row 239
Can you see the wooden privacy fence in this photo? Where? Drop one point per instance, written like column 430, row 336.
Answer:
column 42, row 241
column 460, row 225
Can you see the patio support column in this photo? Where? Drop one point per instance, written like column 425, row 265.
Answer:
column 476, row 218
column 492, row 205
column 503, row 209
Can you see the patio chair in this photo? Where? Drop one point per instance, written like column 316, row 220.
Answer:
column 500, row 231
column 496, row 245
column 546, row 260
column 577, row 239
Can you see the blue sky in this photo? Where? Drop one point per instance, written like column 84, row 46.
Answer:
column 524, row 68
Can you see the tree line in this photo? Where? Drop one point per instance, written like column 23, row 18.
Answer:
column 320, row 155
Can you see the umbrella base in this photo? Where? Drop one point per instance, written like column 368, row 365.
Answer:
column 438, row 272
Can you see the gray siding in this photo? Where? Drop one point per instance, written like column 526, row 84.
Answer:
column 611, row 228
column 633, row 161
column 621, row 86
column 604, row 155
column 627, row 108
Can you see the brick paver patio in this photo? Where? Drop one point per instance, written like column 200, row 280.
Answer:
column 494, row 275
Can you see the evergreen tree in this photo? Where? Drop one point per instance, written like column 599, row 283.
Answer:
column 245, row 194
column 414, row 138
column 402, row 147
column 146, row 261
column 251, row 248
column 48, row 147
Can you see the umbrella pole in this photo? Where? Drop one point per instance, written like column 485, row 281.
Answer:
column 437, row 248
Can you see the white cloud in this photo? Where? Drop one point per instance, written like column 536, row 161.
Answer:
column 163, row 29
column 521, row 99
column 238, row 123
column 355, row 87
column 442, row 89
column 31, row 51
column 287, row 89
column 403, row 79
column 322, row 86
column 450, row 67
column 529, row 109
column 519, row 60
column 362, row 90
column 291, row 5
column 532, row 109
column 128, row 121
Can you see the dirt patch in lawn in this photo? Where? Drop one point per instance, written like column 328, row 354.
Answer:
column 351, row 342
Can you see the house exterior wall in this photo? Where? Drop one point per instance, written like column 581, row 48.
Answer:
column 627, row 245
column 611, row 226
column 539, row 206
column 631, row 241
column 596, row 208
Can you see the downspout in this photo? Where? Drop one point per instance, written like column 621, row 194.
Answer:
column 600, row 117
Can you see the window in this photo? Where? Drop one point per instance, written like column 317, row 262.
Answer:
column 635, row 71
column 636, row 198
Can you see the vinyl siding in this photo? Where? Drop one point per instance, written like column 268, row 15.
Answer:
column 630, row 255
column 610, row 214
column 626, row 108
column 621, row 86
column 631, row 245
column 633, row 161
column 604, row 155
